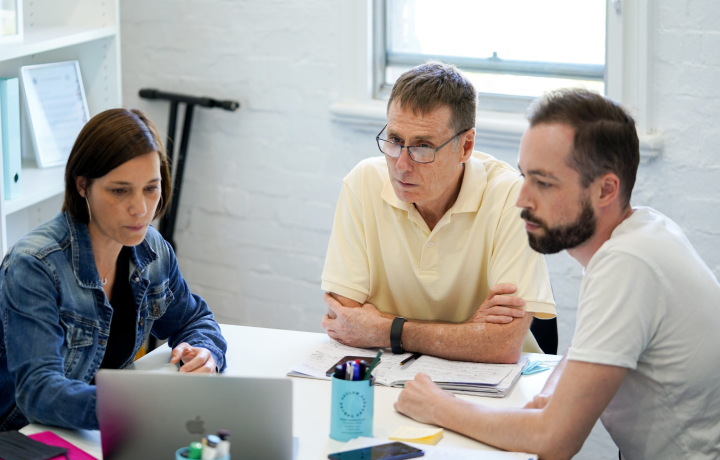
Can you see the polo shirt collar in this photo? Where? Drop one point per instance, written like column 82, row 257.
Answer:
column 471, row 192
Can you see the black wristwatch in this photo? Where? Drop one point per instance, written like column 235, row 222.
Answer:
column 395, row 331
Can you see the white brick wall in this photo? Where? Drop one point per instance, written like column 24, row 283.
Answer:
column 261, row 184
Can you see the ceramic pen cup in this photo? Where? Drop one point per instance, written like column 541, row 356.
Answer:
column 351, row 408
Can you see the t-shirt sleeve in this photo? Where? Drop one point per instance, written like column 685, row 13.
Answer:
column 621, row 304
column 514, row 262
column 346, row 270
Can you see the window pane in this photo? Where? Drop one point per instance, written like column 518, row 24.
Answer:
column 511, row 85
column 529, row 33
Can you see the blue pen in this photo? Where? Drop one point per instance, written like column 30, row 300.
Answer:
column 349, row 371
column 356, row 371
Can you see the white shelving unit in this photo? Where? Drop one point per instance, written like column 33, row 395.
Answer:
column 59, row 30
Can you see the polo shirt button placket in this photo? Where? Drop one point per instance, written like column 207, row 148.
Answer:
column 429, row 257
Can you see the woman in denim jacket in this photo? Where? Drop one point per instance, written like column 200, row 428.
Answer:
column 83, row 291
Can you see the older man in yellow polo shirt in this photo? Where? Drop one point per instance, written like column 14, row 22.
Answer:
column 427, row 243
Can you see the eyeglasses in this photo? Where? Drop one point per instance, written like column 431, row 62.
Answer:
column 417, row 154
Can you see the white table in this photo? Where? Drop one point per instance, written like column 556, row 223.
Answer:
column 258, row 352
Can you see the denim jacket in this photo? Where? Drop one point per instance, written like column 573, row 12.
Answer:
column 56, row 321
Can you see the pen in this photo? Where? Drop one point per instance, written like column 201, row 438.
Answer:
column 372, row 365
column 410, row 359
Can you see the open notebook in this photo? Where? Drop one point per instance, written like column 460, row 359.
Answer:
column 460, row 377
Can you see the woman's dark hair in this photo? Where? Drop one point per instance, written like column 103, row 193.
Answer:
column 605, row 136
column 108, row 140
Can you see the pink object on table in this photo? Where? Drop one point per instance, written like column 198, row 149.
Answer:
column 50, row 438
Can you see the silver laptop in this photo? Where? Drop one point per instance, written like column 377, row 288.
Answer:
column 146, row 414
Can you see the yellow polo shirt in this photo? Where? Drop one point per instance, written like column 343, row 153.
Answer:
column 381, row 250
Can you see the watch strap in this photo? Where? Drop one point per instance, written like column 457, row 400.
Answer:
column 395, row 332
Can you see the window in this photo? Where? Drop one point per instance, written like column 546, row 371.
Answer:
column 624, row 51
column 512, row 51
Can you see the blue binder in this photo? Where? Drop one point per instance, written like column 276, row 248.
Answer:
column 10, row 116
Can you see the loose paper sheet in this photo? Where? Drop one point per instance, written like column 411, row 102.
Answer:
column 389, row 370
column 414, row 432
column 430, row 436
column 445, row 371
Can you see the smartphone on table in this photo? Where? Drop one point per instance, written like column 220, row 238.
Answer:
column 391, row 451
column 345, row 359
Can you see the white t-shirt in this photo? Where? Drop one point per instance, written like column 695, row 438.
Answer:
column 649, row 303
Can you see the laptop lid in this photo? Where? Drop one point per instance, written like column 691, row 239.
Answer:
column 146, row 414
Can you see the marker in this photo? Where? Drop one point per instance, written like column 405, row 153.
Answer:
column 195, row 450
column 223, row 448
column 340, row 372
column 210, row 443
column 374, row 363
column 363, row 369
column 409, row 360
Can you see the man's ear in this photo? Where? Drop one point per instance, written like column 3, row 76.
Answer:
column 81, row 184
column 608, row 189
column 467, row 140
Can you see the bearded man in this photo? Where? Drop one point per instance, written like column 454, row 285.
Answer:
column 648, row 319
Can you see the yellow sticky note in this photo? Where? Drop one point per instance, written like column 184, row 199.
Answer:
column 419, row 435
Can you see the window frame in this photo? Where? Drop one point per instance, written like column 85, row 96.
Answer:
column 492, row 101
column 628, row 74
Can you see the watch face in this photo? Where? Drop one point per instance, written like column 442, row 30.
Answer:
column 353, row 404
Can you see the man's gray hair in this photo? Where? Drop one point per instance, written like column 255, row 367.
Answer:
column 428, row 86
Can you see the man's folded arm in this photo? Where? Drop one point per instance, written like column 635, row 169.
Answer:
column 345, row 302
column 478, row 342
column 475, row 341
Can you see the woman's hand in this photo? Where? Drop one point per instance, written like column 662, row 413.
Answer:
column 195, row 359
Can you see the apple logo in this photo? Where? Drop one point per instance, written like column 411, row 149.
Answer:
column 196, row 426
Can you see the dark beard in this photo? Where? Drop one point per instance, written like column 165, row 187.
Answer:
column 564, row 236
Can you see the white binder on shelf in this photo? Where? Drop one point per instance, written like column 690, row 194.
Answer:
column 57, row 109
column 11, row 145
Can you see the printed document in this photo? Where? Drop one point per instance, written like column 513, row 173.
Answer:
column 461, row 377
